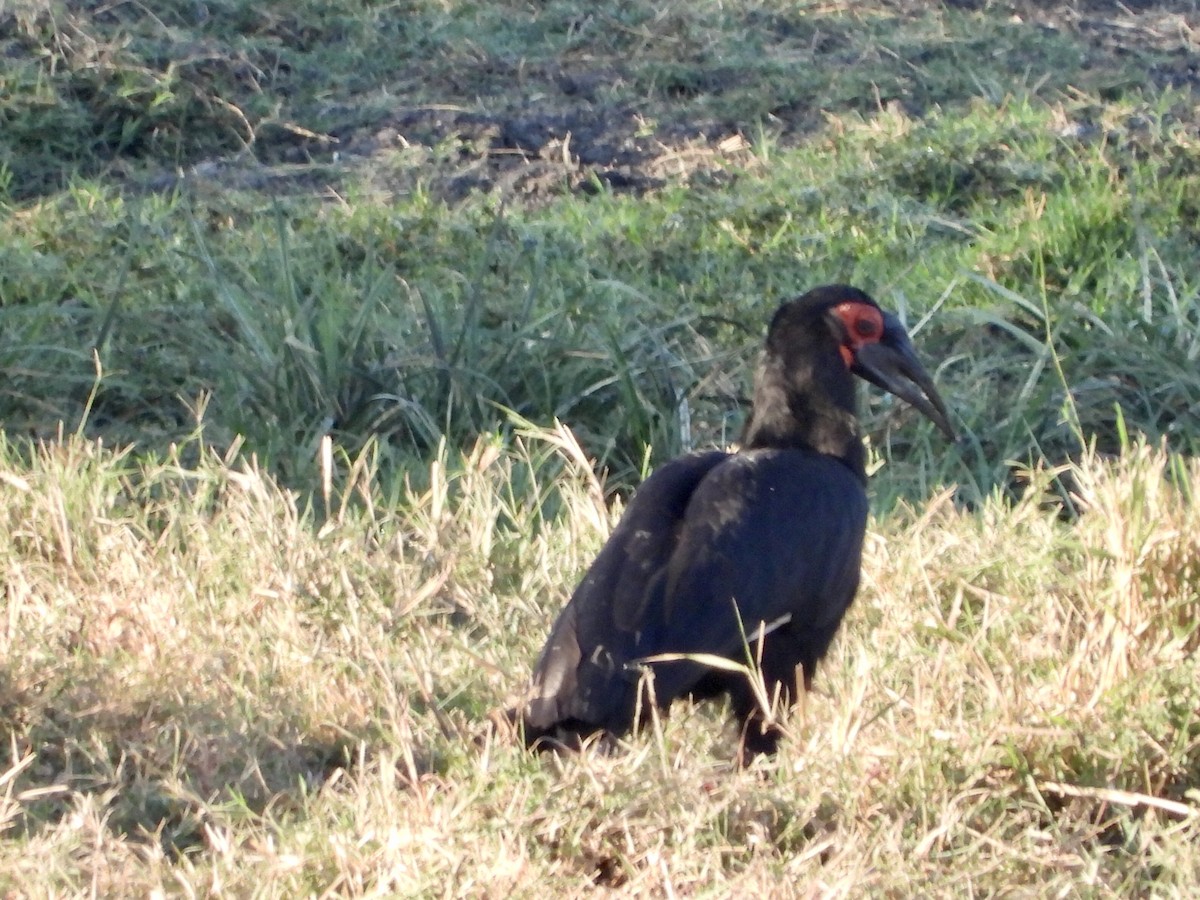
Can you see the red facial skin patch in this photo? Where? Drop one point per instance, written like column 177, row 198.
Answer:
column 864, row 325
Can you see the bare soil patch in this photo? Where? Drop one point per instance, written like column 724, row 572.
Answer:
column 555, row 132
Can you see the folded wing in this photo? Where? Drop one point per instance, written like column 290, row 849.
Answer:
column 712, row 546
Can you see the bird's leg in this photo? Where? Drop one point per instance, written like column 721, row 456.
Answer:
column 760, row 728
column 758, row 738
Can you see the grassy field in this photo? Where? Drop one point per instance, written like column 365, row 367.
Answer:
column 333, row 336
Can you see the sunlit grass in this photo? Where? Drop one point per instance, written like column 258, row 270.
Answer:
column 302, row 706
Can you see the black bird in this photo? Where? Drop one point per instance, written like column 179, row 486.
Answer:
column 720, row 552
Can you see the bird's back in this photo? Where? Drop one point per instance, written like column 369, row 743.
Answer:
column 772, row 538
column 712, row 546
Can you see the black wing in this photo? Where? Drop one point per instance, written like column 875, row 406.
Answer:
column 580, row 676
column 774, row 533
column 772, row 538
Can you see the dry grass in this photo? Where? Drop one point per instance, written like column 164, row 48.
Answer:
column 209, row 689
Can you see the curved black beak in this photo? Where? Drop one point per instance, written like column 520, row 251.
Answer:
column 892, row 364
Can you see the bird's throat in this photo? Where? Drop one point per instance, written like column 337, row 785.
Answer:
column 783, row 418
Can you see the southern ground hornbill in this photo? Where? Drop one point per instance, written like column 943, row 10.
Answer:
column 720, row 553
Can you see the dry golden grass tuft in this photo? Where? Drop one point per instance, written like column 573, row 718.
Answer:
column 208, row 686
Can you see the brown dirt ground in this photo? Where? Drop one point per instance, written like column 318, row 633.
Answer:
column 572, row 141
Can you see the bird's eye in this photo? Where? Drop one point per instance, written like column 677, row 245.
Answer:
column 863, row 323
column 866, row 327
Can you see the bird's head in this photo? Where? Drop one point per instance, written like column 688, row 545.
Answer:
column 819, row 337
column 875, row 347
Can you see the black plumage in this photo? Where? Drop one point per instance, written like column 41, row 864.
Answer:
column 716, row 548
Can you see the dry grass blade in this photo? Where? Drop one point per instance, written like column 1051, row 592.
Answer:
column 1122, row 798
column 751, row 670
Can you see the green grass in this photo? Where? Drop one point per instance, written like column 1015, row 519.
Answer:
column 1058, row 268
column 319, row 393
